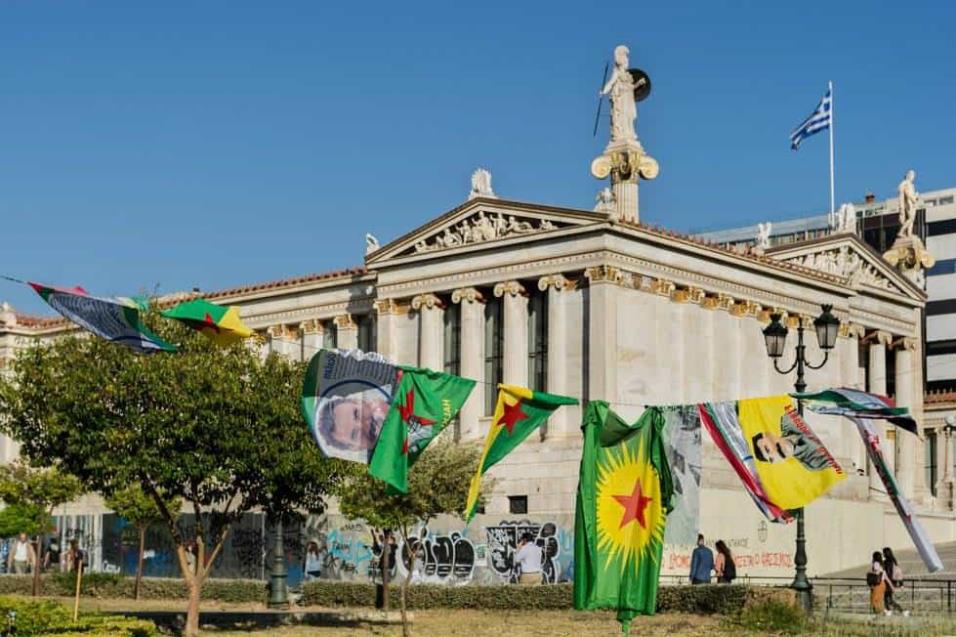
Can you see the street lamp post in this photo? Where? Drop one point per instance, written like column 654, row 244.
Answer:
column 775, row 336
column 278, row 585
column 946, row 493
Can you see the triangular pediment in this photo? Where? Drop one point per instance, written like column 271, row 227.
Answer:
column 846, row 256
column 480, row 222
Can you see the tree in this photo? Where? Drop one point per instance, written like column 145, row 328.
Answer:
column 437, row 484
column 140, row 510
column 36, row 492
column 205, row 424
column 22, row 518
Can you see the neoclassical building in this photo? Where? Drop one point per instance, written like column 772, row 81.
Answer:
column 591, row 305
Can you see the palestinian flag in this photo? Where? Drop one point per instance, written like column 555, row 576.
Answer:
column 116, row 320
column 519, row 412
column 221, row 324
column 624, row 492
column 854, row 403
column 422, row 405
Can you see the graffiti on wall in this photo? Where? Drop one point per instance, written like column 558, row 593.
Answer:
column 439, row 558
column 503, row 544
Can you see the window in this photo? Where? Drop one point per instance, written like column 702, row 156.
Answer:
column 538, row 341
column 330, row 335
column 930, row 455
column 366, row 333
column 452, row 340
column 494, row 346
column 947, row 200
column 518, row 504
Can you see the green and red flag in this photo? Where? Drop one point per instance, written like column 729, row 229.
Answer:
column 422, row 405
column 624, row 494
column 519, row 411
column 220, row 324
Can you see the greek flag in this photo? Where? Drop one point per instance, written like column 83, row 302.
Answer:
column 819, row 120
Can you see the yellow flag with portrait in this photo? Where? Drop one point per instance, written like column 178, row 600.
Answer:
column 792, row 463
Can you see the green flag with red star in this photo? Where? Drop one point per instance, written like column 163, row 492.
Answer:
column 624, row 492
column 519, row 411
column 424, row 403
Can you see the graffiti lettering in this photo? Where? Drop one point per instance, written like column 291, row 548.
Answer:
column 503, row 543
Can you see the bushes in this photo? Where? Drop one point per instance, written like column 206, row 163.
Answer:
column 39, row 618
column 712, row 599
column 118, row 587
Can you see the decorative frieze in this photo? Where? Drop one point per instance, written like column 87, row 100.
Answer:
column 846, row 263
column 688, row 295
column 511, row 288
column 428, row 301
column 467, row 295
column 481, row 227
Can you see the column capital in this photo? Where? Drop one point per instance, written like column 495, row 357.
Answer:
column 605, row 274
column 345, row 322
column 311, row 326
column 878, row 337
column 467, row 295
column 387, row 306
column 851, row 330
column 511, row 288
column 796, row 320
column 559, row 282
column 429, row 301
column 745, row 308
column 282, row 331
column 905, row 344
column 689, row 294
column 663, row 287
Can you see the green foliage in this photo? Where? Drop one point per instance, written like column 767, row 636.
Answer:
column 773, row 617
column 437, row 483
column 109, row 586
column 138, row 507
column 25, row 518
column 706, row 599
column 36, row 618
column 44, row 489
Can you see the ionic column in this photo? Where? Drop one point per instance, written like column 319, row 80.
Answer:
column 312, row 334
column 725, row 348
column 877, row 385
column 431, row 314
column 386, row 311
column 515, row 365
column 346, row 331
column 472, row 357
column 906, row 470
column 601, row 350
column 284, row 341
column 556, row 286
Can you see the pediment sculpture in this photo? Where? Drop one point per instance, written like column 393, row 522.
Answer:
column 845, row 263
column 482, row 227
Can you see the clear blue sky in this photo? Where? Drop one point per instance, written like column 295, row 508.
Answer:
column 212, row 144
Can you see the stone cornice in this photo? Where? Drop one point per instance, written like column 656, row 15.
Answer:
column 428, row 301
column 511, row 288
column 467, row 295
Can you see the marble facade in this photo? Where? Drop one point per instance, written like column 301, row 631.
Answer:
column 634, row 315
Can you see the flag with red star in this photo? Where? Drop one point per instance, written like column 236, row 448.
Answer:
column 424, row 403
column 519, row 411
column 624, row 494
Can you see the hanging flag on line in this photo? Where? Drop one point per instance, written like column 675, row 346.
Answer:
column 858, row 404
column 423, row 404
column 220, row 324
column 519, row 411
column 819, row 120
column 116, row 320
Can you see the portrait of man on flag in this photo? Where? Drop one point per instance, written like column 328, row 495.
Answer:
column 792, row 442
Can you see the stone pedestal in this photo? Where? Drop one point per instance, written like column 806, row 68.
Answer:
column 625, row 163
column 910, row 257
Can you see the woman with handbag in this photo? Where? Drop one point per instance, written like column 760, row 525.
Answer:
column 876, row 580
column 894, row 576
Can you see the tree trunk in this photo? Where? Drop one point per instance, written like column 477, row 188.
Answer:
column 192, row 609
column 412, row 554
column 386, row 551
column 36, row 566
column 139, row 561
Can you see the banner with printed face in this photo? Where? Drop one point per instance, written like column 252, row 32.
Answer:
column 682, row 446
column 345, row 398
column 794, row 466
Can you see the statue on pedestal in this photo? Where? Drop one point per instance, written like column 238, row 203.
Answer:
column 843, row 220
column 909, row 198
column 908, row 253
column 620, row 91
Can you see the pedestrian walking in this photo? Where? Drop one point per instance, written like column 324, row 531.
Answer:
column 724, row 565
column 877, row 581
column 894, row 582
column 52, row 558
column 701, row 562
column 528, row 559
column 23, row 557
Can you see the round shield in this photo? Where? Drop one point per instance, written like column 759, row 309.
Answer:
column 642, row 84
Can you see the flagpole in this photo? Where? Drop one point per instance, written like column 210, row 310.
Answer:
column 832, row 197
